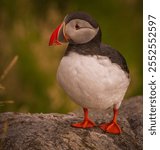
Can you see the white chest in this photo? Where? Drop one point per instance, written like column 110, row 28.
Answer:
column 92, row 81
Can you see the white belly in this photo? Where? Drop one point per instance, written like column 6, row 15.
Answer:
column 92, row 81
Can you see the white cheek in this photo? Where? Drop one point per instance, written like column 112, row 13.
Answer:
column 83, row 35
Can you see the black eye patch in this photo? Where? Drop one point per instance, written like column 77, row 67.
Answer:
column 77, row 26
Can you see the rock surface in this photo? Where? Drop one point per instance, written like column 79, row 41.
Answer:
column 19, row 131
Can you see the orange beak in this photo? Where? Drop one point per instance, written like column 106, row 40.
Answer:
column 58, row 36
column 54, row 36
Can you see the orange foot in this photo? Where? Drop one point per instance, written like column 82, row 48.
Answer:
column 85, row 124
column 111, row 127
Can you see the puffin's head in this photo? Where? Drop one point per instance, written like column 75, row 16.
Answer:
column 76, row 28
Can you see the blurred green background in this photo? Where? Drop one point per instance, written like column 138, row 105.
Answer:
column 25, row 29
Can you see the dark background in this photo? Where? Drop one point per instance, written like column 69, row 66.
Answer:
column 25, row 29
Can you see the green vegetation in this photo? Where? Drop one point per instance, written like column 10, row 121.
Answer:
column 25, row 29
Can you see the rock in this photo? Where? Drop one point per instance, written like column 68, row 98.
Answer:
column 19, row 131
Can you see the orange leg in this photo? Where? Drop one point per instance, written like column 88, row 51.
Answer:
column 112, row 127
column 86, row 123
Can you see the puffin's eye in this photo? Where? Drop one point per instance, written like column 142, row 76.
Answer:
column 77, row 27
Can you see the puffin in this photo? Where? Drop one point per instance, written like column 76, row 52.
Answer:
column 93, row 74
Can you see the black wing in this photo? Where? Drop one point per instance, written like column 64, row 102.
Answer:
column 114, row 56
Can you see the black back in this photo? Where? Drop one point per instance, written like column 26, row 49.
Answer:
column 114, row 56
column 92, row 48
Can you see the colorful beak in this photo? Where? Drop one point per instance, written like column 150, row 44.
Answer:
column 57, row 36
